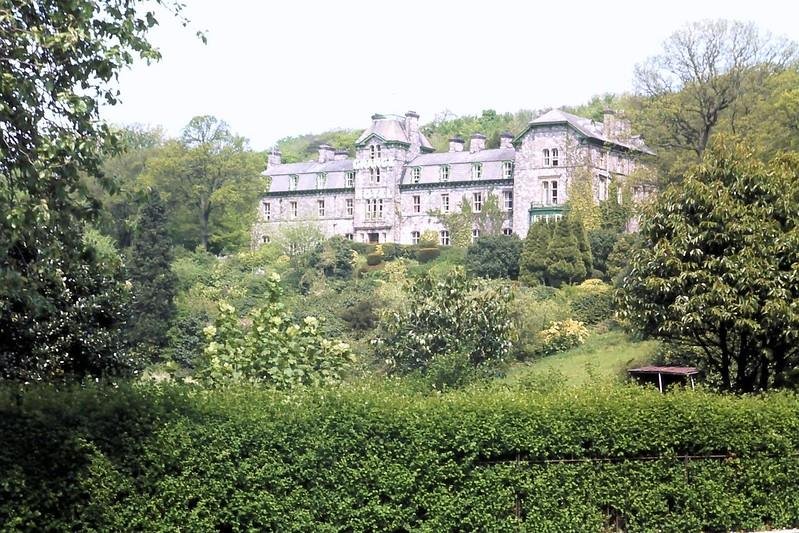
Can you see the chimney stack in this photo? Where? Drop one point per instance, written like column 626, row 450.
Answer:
column 609, row 123
column 340, row 155
column 274, row 158
column 477, row 143
column 505, row 140
column 325, row 153
column 456, row 144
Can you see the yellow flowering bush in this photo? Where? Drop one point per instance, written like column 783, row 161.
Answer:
column 562, row 335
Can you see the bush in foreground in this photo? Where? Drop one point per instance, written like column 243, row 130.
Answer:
column 166, row 458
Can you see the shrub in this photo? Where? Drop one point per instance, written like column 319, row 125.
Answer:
column 425, row 255
column 494, row 257
column 562, row 336
column 374, row 259
column 593, row 302
column 534, row 310
column 163, row 458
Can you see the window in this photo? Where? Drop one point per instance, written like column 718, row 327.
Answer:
column 415, row 236
column 321, row 180
column 444, row 238
column 507, row 231
column 554, row 190
column 265, row 239
column 477, row 202
column 554, row 157
column 443, row 173
column 349, row 179
column 379, row 150
column 374, row 175
column 417, row 204
column 445, row 203
column 267, row 211
column 602, row 189
column 546, row 157
column 293, row 209
column 545, row 192
column 349, row 207
column 320, row 204
column 293, row 182
column 374, row 209
column 372, row 151
column 475, row 235
column 349, row 236
column 416, row 174
column 507, row 170
column 507, row 196
column 477, row 171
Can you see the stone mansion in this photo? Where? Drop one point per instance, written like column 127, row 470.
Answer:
column 387, row 192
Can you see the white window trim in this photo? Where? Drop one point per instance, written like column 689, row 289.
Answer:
column 477, row 171
column 320, row 206
column 416, row 174
column 417, row 203
column 507, row 170
column 477, row 202
column 443, row 173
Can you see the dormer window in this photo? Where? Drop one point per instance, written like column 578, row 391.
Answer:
column 293, row 182
column 477, row 171
column 321, row 180
column 416, row 174
column 443, row 173
column 546, row 157
column 349, row 179
column 507, row 170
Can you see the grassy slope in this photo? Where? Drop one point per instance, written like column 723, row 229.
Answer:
column 602, row 358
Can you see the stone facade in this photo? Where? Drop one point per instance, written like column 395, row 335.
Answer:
column 386, row 193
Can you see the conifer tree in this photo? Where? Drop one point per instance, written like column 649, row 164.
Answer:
column 533, row 260
column 582, row 243
column 154, row 283
column 564, row 260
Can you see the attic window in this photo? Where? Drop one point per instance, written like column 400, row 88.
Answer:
column 477, row 171
column 416, row 174
column 321, row 180
column 350, row 179
column 293, row 182
column 507, row 170
column 443, row 173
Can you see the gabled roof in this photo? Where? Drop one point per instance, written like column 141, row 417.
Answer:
column 586, row 127
column 391, row 129
column 446, row 158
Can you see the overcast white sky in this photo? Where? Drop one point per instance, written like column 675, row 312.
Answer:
column 297, row 66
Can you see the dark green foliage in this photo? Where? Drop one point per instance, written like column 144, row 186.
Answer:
column 176, row 458
column 186, row 341
column 565, row 262
column 584, row 246
column 592, row 307
column 619, row 258
column 333, row 258
column 455, row 313
column 154, row 283
column 601, row 242
column 374, row 259
column 362, row 316
column 718, row 269
column 60, row 304
column 533, row 258
column 494, row 257
column 425, row 255
column 616, row 214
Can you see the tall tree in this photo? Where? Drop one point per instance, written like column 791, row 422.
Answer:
column 154, row 283
column 565, row 263
column 703, row 70
column 59, row 298
column 718, row 268
column 533, row 259
column 207, row 174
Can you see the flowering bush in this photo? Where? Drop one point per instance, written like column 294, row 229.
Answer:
column 274, row 349
column 561, row 336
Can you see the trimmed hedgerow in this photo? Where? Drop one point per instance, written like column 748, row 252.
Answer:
column 372, row 459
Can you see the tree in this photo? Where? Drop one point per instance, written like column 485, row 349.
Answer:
column 154, row 283
column 533, row 259
column 583, row 245
column 718, row 269
column 494, row 257
column 565, row 262
column 460, row 223
column 207, row 174
column 703, row 70
column 60, row 301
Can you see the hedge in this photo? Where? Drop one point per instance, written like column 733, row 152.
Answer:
column 425, row 255
column 374, row 459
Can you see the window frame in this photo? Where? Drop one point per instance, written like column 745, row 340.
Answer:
column 321, row 180
column 555, row 157
column 415, row 237
column 417, row 203
column 507, row 170
column 293, row 209
column 349, row 204
column 445, row 202
column 477, row 202
column 444, row 238
column 320, row 208
column 477, row 171
column 416, row 174
column 507, row 198
column 294, row 181
column 349, row 179
column 267, row 210
column 545, row 159
column 443, row 173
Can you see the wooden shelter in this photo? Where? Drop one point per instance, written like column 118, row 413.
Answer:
column 664, row 376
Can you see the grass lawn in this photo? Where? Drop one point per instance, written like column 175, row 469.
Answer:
column 603, row 357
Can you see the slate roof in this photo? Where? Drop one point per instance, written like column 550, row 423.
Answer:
column 309, row 167
column 446, row 158
column 391, row 129
column 589, row 128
